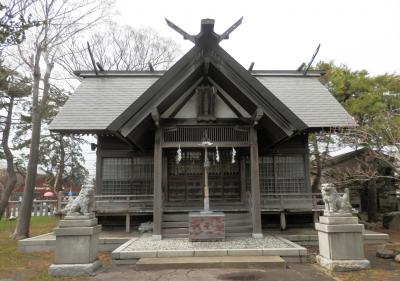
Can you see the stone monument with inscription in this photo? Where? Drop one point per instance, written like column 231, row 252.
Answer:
column 340, row 236
column 77, row 238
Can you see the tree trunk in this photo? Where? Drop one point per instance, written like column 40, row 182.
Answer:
column 315, row 186
column 24, row 216
column 372, row 201
column 58, row 182
column 25, row 212
column 364, row 198
column 11, row 175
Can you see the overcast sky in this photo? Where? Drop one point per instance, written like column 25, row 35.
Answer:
column 282, row 34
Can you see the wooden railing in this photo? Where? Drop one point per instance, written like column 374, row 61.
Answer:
column 292, row 201
column 124, row 203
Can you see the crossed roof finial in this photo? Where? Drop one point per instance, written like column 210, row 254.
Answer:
column 207, row 26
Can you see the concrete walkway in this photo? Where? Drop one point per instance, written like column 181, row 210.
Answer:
column 295, row 272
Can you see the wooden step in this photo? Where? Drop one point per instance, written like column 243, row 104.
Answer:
column 211, row 262
column 177, row 230
column 237, row 222
column 167, row 236
column 169, row 224
column 175, row 217
column 237, row 216
column 176, row 225
column 238, row 229
column 234, row 234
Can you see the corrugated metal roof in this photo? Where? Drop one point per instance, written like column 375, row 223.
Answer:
column 100, row 100
column 309, row 100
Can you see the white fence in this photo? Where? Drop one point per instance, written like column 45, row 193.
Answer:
column 39, row 207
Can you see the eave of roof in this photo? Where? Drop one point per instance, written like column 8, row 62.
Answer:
column 145, row 73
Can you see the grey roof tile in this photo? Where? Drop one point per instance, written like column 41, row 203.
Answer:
column 309, row 100
column 100, row 100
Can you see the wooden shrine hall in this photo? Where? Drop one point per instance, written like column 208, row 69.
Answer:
column 205, row 128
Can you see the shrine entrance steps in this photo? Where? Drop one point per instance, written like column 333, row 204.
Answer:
column 263, row 262
column 176, row 224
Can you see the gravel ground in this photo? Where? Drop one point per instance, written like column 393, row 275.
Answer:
column 147, row 243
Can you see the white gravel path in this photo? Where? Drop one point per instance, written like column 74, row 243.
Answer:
column 145, row 243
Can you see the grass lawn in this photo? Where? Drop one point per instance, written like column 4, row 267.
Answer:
column 30, row 266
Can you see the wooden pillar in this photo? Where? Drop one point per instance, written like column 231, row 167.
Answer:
column 255, row 185
column 157, row 192
column 127, row 223
column 283, row 220
column 243, row 180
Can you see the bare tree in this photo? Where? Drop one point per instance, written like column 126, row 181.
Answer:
column 121, row 48
column 61, row 20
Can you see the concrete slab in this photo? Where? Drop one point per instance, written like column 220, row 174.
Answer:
column 77, row 223
column 74, row 269
column 210, row 252
column 175, row 253
column 281, row 252
column 210, row 262
column 338, row 220
column 245, row 252
column 137, row 254
column 77, row 231
column 343, row 265
column 111, row 240
column 339, row 227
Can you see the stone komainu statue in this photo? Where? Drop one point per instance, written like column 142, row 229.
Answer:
column 334, row 202
column 83, row 204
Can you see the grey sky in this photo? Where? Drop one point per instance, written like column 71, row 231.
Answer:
column 282, row 34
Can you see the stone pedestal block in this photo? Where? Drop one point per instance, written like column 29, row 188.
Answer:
column 206, row 226
column 77, row 239
column 341, row 245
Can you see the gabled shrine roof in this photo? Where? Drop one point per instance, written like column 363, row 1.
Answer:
column 99, row 100
column 122, row 101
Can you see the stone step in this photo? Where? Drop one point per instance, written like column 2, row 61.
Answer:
column 261, row 262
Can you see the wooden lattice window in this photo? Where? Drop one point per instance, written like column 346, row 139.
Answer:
column 282, row 174
column 123, row 175
column 206, row 103
column 214, row 134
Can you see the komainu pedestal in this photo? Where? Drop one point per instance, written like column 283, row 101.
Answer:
column 77, row 239
column 341, row 245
